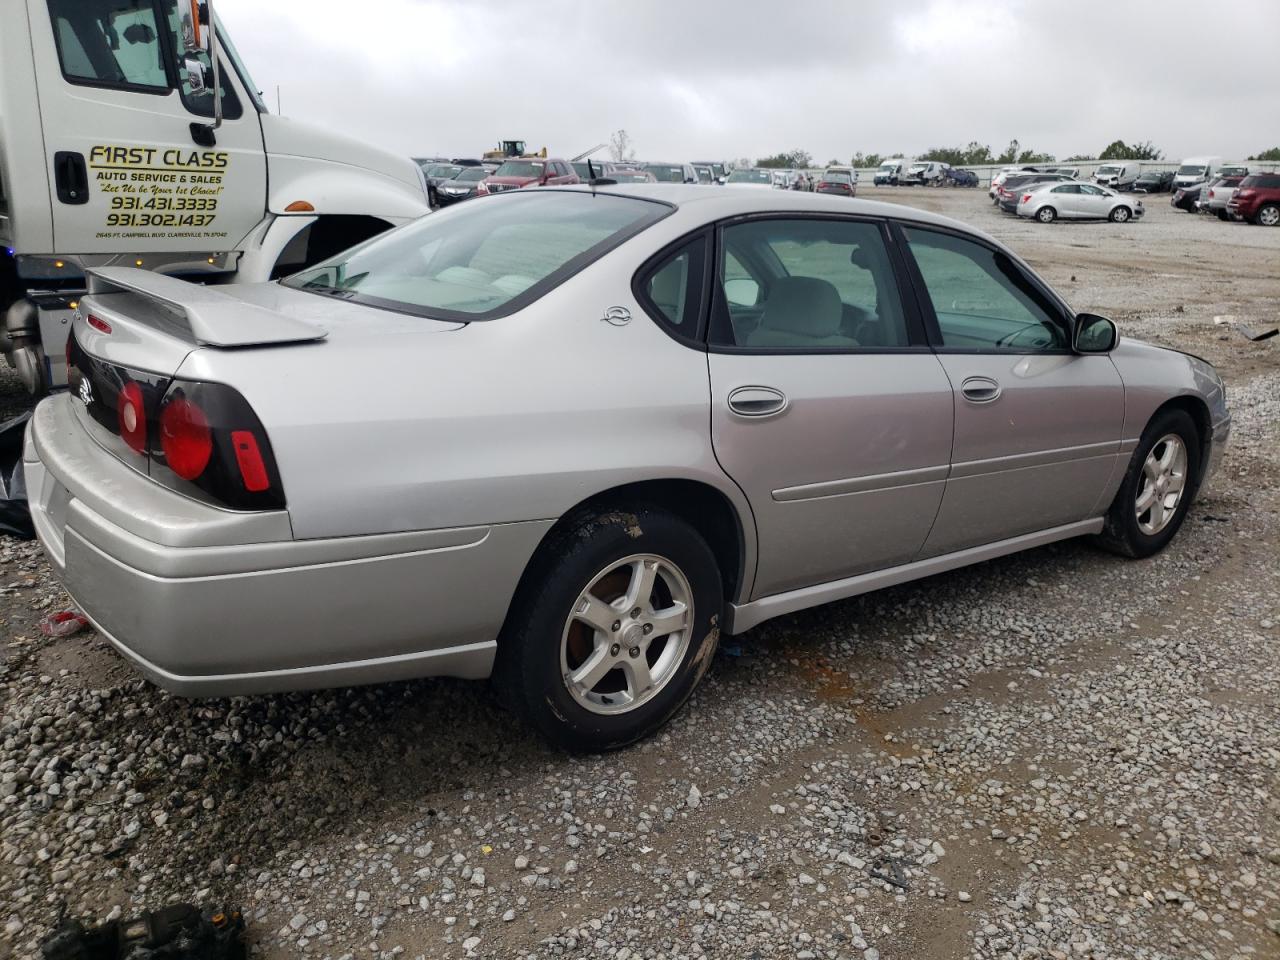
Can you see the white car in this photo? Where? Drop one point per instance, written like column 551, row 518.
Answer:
column 750, row 177
column 1047, row 202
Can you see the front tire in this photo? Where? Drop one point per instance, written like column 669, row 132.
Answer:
column 1268, row 215
column 1157, row 488
column 1046, row 214
column 604, row 647
column 1120, row 215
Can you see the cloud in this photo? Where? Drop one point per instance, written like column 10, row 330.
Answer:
column 749, row 78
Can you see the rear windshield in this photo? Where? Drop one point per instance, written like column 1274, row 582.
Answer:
column 665, row 173
column 477, row 261
column 519, row 168
column 750, row 176
column 472, row 174
column 837, row 177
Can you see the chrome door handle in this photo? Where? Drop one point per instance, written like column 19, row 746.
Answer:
column 757, row 401
column 980, row 389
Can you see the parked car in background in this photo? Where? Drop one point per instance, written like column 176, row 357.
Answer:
column 892, row 172
column 1257, row 200
column 1009, row 192
column 1215, row 196
column 838, row 181
column 463, row 186
column 1005, row 173
column 1187, row 197
column 1153, row 181
column 926, row 173
column 1236, row 170
column 628, row 175
column 520, row 172
column 435, row 174
column 1196, row 170
column 719, row 171
column 879, row 399
column 1117, row 174
column 602, row 168
column 1072, row 172
column 957, row 177
column 672, row 172
column 1070, row 200
column 750, row 177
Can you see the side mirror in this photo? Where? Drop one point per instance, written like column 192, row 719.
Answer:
column 199, row 76
column 1094, row 334
column 742, row 292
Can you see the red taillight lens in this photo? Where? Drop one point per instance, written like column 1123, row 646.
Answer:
column 132, row 417
column 99, row 324
column 185, row 438
column 253, row 471
column 1026, row 198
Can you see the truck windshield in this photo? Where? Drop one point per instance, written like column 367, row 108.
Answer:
column 1107, row 171
column 478, row 261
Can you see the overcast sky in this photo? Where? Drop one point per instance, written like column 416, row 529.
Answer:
column 722, row 79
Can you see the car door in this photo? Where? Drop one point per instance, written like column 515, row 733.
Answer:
column 828, row 408
column 1065, row 199
column 1037, row 426
column 1095, row 202
column 117, row 114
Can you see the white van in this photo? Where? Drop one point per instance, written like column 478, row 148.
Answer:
column 1195, row 169
column 1117, row 174
column 926, row 173
column 892, row 172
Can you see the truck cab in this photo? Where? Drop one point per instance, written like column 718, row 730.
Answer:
column 115, row 149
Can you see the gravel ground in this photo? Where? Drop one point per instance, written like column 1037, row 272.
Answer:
column 1059, row 754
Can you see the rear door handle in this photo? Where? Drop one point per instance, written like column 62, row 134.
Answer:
column 980, row 389
column 757, row 401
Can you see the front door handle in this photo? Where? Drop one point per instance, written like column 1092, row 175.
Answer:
column 70, row 178
column 980, row 389
column 757, row 401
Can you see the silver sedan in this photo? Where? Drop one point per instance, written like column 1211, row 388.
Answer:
column 569, row 438
column 1047, row 202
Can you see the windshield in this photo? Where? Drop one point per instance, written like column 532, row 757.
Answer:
column 888, row 167
column 836, row 177
column 1234, row 171
column 445, row 170
column 1191, row 170
column 666, row 173
column 519, row 168
column 473, row 260
column 227, row 47
column 471, row 175
column 1107, row 171
column 749, row 176
column 630, row 176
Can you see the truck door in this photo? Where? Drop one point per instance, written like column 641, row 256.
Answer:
column 116, row 110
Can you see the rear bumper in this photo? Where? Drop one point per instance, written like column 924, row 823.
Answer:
column 207, row 602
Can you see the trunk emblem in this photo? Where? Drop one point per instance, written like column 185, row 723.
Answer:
column 86, row 391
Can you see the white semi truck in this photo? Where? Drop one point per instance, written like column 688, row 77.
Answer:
column 131, row 134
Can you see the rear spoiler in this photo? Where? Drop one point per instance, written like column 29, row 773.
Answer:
column 213, row 318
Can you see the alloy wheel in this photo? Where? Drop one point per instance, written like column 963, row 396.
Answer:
column 1269, row 216
column 1164, row 481
column 627, row 634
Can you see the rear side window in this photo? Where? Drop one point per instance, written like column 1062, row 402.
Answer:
column 483, row 260
column 982, row 299
column 109, row 43
column 1262, row 181
column 808, row 286
column 671, row 290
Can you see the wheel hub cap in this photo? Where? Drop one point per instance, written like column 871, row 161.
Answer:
column 627, row 634
column 1163, row 482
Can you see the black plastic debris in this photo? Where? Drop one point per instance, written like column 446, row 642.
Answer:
column 178, row 932
column 15, row 514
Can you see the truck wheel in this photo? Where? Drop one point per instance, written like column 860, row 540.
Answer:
column 1120, row 215
column 608, row 643
column 1046, row 214
column 1157, row 488
column 1267, row 216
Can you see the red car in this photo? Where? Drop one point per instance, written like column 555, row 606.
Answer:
column 521, row 172
column 1258, row 200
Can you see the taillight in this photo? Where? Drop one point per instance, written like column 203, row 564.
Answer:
column 1026, row 198
column 210, row 439
column 132, row 417
column 185, row 437
column 99, row 324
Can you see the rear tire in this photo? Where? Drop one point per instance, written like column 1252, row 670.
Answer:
column 1120, row 215
column 641, row 676
column 1046, row 214
column 1268, row 215
column 1154, row 495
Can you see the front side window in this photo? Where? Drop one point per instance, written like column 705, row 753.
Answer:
column 809, row 286
column 483, row 260
column 982, row 299
column 109, row 43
